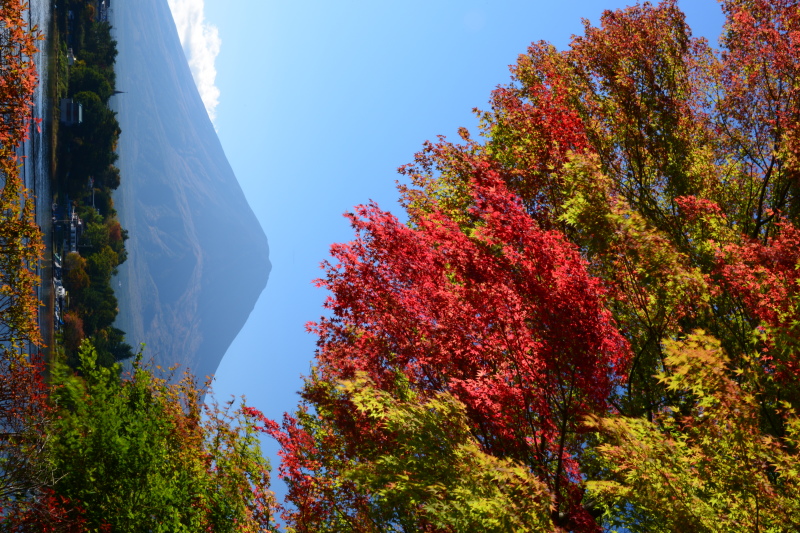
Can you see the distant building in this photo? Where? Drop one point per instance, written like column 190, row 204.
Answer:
column 75, row 231
column 71, row 112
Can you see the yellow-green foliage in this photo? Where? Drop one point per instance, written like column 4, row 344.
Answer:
column 437, row 471
column 705, row 465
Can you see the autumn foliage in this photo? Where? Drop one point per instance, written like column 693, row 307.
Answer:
column 20, row 238
column 91, row 451
column 24, row 412
column 587, row 322
column 602, row 291
column 139, row 452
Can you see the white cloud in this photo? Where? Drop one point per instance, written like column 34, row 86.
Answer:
column 201, row 44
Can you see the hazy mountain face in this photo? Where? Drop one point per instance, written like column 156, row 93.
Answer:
column 197, row 256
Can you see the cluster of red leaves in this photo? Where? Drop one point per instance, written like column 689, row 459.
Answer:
column 765, row 276
column 50, row 513
column 19, row 76
column 694, row 208
column 505, row 317
column 300, row 460
column 24, row 418
column 766, row 279
column 763, row 54
column 538, row 129
column 760, row 111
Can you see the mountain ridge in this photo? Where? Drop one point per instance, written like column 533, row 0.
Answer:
column 198, row 257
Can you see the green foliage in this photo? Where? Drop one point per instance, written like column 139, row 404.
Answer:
column 708, row 467
column 415, row 466
column 93, row 142
column 88, row 280
column 435, row 472
column 111, row 346
column 100, row 50
column 143, row 455
column 83, row 78
column 109, row 178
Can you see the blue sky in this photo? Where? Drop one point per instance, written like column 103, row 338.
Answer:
column 317, row 104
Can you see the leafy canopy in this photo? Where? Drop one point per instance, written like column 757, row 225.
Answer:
column 606, row 281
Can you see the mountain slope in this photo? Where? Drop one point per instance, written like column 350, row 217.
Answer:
column 198, row 258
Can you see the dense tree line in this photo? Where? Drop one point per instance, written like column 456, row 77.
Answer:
column 87, row 176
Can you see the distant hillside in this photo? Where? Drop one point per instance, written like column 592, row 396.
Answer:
column 198, row 258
